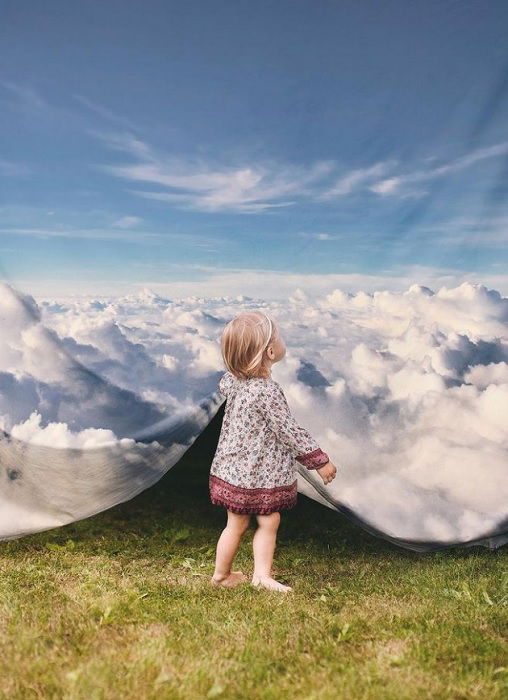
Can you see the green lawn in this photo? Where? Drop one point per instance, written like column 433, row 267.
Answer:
column 119, row 606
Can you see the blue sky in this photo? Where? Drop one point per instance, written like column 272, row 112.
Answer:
column 360, row 144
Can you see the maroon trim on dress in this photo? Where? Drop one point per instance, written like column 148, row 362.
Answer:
column 313, row 460
column 256, row 500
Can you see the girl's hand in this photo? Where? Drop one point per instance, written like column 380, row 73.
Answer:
column 327, row 472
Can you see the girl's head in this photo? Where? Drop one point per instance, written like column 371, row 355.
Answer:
column 250, row 344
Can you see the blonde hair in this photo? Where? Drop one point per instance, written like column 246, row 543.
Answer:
column 243, row 344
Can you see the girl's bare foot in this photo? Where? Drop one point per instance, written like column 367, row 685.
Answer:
column 270, row 583
column 229, row 580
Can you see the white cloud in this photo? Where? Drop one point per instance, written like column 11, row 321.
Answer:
column 392, row 184
column 386, row 186
column 194, row 184
column 58, row 434
column 127, row 221
column 355, row 178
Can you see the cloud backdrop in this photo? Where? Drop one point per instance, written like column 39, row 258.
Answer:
column 407, row 393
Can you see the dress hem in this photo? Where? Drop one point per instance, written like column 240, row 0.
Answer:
column 252, row 510
column 262, row 501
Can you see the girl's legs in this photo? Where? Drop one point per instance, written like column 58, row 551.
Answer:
column 227, row 547
column 263, row 546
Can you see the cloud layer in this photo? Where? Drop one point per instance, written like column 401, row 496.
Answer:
column 407, row 392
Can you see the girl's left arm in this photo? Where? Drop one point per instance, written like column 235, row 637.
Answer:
column 274, row 408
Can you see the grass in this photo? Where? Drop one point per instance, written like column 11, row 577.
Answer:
column 119, row 606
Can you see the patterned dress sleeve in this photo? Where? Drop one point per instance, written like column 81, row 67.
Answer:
column 225, row 383
column 274, row 408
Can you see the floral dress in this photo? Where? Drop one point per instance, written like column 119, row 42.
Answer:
column 253, row 468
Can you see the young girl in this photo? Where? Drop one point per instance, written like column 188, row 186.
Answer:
column 253, row 469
